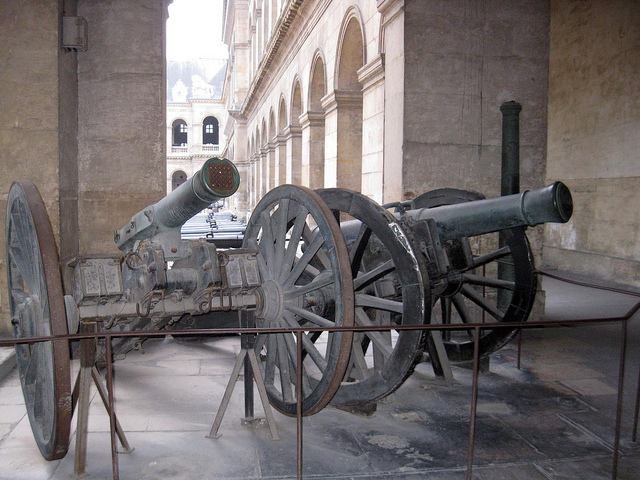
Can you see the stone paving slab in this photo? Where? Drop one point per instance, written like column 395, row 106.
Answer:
column 7, row 361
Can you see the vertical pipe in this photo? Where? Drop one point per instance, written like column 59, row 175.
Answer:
column 616, row 439
column 474, row 403
column 509, row 182
column 299, row 405
column 112, row 415
column 510, row 177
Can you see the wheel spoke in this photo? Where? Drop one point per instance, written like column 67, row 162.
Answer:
column 310, row 316
column 309, row 237
column 367, row 278
column 358, row 370
column 325, row 278
column 380, row 356
column 304, row 260
column 283, row 365
column 269, row 371
column 376, row 337
column 458, row 302
column 359, row 246
column 371, row 301
column 488, row 282
column 490, row 257
column 294, row 240
column 291, row 350
column 266, row 242
column 279, row 229
column 308, row 345
column 472, row 295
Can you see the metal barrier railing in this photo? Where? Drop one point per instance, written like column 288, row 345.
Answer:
column 475, row 327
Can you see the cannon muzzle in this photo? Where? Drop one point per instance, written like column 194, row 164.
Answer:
column 218, row 178
column 529, row 208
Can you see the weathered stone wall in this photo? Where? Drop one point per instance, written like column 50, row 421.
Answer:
column 121, row 115
column 594, row 137
column 462, row 60
column 29, row 145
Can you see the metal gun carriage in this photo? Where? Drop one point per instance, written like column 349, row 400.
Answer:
column 322, row 258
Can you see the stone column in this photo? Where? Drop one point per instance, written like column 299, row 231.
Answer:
column 293, row 136
column 264, row 173
column 196, row 138
column 393, row 37
column 241, row 158
column 254, row 180
column 371, row 76
column 281, row 159
column 343, row 139
column 272, row 180
column 312, row 125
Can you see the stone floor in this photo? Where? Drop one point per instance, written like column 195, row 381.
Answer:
column 553, row 419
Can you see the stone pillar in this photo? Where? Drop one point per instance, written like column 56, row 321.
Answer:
column 254, row 180
column 121, row 110
column 240, row 156
column 264, row 173
column 371, row 76
column 312, row 125
column 195, row 142
column 343, row 139
column 393, row 37
column 281, row 159
column 272, row 180
column 293, row 136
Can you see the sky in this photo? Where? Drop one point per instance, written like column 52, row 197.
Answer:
column 194, row 30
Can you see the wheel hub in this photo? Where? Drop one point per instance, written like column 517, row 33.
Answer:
column 272, row 302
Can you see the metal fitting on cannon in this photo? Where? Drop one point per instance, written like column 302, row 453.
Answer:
column 218, row 178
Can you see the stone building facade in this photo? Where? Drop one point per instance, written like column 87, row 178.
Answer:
column 396, row 97
column 201, row 123
column 389, row 97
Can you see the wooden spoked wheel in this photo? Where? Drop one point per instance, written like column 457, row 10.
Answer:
column 389, row 290
column 37, row 309
column 480, row 294
column 306, row 281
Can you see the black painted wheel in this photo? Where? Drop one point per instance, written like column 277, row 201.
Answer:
column 481, row 293
column 389, row 290
column 306, row 281
column 37, row 309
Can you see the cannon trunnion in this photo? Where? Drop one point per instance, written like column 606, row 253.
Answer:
column 322, row 258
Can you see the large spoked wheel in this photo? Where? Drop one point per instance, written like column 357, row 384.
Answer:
column 480, row 294
column 306, row 281
column 389, row 285
column 37, row 309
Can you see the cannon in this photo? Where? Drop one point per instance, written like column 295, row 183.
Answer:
column 322, row 258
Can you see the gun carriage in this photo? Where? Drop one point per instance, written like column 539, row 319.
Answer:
column 324, row 258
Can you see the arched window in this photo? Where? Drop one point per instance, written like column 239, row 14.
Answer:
column 179, row 128
column 177, row 179
column 210, row 129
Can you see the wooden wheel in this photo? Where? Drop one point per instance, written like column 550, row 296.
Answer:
column 389, row 290
column 306, row 281
column 37, row 309
column 480, row 294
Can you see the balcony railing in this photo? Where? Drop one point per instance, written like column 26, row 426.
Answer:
column 194, row 149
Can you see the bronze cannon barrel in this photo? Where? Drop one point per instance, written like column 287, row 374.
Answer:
column 218, row 178
column 529, row 208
